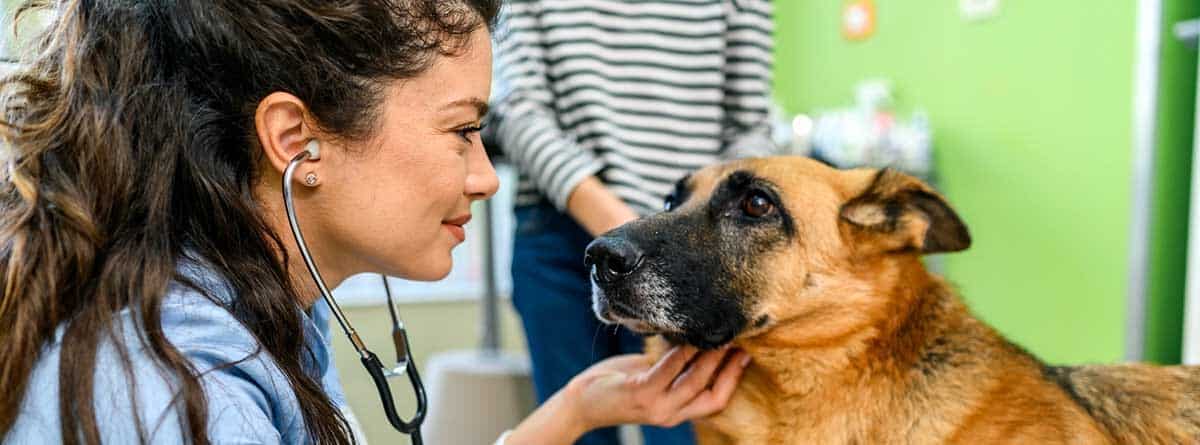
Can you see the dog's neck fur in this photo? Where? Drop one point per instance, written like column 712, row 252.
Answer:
column 903, row 344
column 885, row 340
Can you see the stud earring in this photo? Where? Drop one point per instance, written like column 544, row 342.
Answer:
column 310, row 179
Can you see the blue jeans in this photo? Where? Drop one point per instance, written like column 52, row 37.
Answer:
column 553, row 295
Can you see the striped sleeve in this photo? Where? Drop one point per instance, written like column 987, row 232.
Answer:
column 748, row 56
column 529, row 131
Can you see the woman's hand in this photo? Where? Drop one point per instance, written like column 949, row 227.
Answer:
column 633, row 389
column 684, row 384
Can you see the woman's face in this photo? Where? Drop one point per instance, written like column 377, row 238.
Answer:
column 396, row 202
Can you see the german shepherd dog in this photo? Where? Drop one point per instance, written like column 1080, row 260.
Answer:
column 817, row 274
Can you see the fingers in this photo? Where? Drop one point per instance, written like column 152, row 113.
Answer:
column 696, row 377
column 714, row 399
column 663, row 373
column 629, row 363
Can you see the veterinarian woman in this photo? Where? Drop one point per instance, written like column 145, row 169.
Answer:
column 152, row 290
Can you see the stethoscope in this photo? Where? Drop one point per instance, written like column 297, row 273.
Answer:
column 380, row 374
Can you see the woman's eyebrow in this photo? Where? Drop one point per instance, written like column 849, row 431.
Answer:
column 480, row 105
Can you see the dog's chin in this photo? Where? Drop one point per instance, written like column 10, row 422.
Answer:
column 702, row 335
column 639, row 326
column 624, row 315
column 701, row 338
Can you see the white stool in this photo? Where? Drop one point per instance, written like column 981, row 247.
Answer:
column 475, row 395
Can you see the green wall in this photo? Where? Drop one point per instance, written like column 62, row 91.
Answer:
column 1032, row 117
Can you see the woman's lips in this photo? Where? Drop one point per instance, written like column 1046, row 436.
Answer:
column 456, row 231
column 455, row 227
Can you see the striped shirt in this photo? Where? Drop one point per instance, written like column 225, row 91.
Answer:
column 636, row 93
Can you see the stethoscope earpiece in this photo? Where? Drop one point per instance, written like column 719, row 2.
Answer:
column 313, row 148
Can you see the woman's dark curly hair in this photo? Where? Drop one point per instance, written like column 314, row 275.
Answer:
column 128, row 144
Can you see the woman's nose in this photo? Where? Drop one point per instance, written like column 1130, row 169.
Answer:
column 482, row 181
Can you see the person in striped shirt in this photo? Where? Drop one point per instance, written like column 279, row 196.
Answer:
column 608, row 104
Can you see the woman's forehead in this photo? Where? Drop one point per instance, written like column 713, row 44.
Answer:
column 461, row 79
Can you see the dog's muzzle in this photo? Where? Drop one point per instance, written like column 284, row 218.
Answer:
column 611, row 259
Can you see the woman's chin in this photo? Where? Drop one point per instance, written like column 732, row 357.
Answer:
column 431, row 270
column 437, row 275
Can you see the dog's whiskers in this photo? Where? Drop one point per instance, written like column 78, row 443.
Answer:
column 595, row 337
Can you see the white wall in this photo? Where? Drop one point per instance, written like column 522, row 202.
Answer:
column 1191, row 320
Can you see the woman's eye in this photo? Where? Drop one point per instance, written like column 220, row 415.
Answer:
column 466, row 132
column 756, row 205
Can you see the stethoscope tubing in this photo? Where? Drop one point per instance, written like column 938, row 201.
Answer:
column 379, row 373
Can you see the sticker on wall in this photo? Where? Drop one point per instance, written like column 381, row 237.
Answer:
column 975, row 10
column 858, row 19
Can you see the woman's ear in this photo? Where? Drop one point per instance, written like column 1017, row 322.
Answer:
column 283, row 131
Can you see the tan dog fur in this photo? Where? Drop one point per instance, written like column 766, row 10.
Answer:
column 865, row 346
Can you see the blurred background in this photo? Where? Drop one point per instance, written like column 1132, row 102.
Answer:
column 1062, row 131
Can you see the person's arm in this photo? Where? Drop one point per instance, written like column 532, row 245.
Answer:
column 748, row 64
column 527, row 129
column 596, row 208
column 632, row 389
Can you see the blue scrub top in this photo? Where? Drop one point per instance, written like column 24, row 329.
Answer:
column 248, row 403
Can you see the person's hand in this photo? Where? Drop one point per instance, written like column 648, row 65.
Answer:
column 684, row 384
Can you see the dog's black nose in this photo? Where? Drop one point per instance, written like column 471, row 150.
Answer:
column 613, row 258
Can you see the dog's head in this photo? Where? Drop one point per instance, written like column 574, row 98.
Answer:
column 744, row 246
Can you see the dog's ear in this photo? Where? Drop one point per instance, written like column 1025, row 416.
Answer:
column 898, row 212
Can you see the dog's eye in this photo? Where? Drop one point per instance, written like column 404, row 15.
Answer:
column 669, row 203
column 757, row 205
